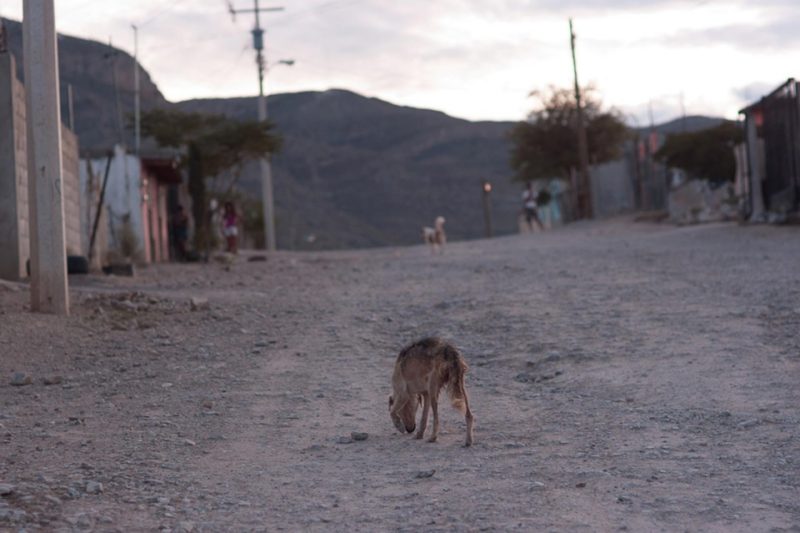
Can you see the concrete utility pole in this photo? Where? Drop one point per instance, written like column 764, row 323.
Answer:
column 49, row 291
column 137, row 119
column 584, row 187
column 266, row 167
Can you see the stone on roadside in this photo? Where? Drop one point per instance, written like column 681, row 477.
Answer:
column 81, row 521
column 8, row 286
column 52, row 380
column 18, row 379
column 125, row 305
column 199, row 304
column 356, row 435
column 94, row 487
column 422, row 474
column 185, row 527
column 7, row 489
column 344, row 440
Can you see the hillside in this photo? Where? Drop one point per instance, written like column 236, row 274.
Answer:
column 685, row 124
column 354, row 171
column 359, row 171
column 91, row 68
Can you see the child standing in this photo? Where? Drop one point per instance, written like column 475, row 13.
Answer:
column 230, row 230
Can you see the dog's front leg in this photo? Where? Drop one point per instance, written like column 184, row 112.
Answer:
column 424, row 421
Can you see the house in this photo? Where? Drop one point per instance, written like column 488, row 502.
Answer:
column 140, row 195
column 772, row 134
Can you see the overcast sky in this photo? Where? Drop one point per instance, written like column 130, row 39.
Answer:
column 476, row 59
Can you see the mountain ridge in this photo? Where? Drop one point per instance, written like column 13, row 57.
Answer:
column 354, row 171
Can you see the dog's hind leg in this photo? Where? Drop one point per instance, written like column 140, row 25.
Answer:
column 426, row 402
column 434, row 401
column 468, row 416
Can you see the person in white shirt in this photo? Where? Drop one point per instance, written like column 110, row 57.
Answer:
column 530, row 207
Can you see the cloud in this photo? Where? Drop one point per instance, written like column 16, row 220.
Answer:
column 470, row 58
column 754, row 91
column 774, row 34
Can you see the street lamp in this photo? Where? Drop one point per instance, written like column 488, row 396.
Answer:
column 487, row 208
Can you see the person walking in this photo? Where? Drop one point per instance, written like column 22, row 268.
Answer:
column 531, row 208
column 180, row 232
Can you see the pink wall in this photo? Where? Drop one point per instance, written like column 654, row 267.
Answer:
column 154, row 218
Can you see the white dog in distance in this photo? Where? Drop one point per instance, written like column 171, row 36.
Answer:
column 435, row 236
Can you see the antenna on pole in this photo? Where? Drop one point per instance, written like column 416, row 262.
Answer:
column 266, row 168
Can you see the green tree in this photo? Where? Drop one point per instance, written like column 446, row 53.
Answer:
column 705, row 154
column 216, row 148
column 546, row 145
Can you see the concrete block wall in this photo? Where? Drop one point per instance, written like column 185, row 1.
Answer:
column 14, row 211
column 612, row 188
column 14, row 231
column 72, row 192
column 21, row 170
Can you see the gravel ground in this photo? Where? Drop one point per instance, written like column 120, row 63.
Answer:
column 624, row 377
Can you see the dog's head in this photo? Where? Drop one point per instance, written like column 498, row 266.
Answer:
column 404, row 416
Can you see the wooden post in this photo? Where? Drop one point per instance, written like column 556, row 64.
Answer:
column 584, row 185
column 49, row 292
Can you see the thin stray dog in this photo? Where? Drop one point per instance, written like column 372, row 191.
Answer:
column 435, row 236
column 421, row 371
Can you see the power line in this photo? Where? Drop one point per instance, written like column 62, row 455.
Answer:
column 168, row 8
column 318, row 7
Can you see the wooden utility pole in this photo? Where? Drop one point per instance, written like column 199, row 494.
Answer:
column 49, row 291
column 584, row 187
column 265, row 164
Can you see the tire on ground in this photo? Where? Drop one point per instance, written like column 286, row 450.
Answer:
column 77, row 264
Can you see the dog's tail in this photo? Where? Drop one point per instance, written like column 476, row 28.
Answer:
column 455, row 378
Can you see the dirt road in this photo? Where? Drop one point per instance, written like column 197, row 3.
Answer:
column 623, row 376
